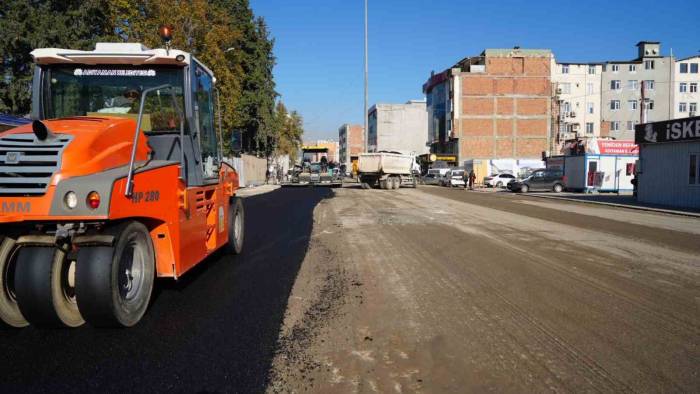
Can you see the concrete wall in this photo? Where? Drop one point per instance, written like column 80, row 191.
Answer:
column 662, row 75
column 686, row 97
column 505, row 111
column 251, row 170
column 399, row 127
column 580, row 86
column 664, row 177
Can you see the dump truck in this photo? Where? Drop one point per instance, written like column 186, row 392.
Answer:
column 387, row 170
column 119, row 180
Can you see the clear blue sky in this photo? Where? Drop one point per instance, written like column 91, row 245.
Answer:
column 318, row 43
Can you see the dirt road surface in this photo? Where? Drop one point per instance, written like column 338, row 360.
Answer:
column 443, row 290
column 414, row 290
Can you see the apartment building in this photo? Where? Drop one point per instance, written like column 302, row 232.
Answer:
column 492, row 107
column 686, row 81
column 577, row 100
column 621, row 88
column 350, row 143
column 398, row 127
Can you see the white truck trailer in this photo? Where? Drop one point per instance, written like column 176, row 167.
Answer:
column 387, row 170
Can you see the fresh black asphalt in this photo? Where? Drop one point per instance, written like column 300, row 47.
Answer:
column 214, row 330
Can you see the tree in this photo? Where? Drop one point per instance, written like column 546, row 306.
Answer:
column 30, row 24
column 289, row 129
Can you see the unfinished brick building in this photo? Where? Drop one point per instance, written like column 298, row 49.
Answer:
column 492, row 110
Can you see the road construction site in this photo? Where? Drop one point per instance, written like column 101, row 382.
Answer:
column 410, row 290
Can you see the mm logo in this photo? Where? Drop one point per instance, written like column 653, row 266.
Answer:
column 15, row 207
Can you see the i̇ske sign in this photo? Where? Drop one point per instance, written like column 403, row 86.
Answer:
column 686, row 129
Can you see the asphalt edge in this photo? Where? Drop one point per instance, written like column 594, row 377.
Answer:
column 637, row 208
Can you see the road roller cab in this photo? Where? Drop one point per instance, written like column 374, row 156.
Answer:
column 118, row 180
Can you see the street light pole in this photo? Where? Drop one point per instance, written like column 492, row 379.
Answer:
column 366, row 131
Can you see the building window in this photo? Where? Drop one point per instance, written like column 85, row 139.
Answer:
column 566, row 88
column 682, row 107
column 564, row 68
column 615, row 84
column 649, row 84
column 589, row 88
column 650, row 105
column 591, row 70
column 630, row 125
column 614, row 105
column 632, row 104
column 615, row 68
column 683, row 87
column 615, row 125
column 632, row 68
column 567, row 107
column 693, row 107
column 693, row 68
column 684, row 68
column 589, row 107
column 589, row 128
column 648, row 64
column 632, row 84
column 693, row 169
column 693, row 87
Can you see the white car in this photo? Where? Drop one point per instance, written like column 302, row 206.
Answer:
column 454, row 178
column 499, row 180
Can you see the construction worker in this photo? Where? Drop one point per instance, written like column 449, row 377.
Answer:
column 472, row 177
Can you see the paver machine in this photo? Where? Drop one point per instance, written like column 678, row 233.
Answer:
column 118, row 181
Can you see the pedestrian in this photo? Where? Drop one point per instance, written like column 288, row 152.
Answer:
column 465, row 178
column 472, row 177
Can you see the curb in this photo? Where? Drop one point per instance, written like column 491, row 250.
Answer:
column 610, row 204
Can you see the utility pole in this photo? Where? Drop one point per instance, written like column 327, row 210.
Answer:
column 364, row 114
column 643, row 106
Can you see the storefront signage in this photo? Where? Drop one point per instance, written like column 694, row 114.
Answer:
column 445, row 158
column 687, row 129
column 613, row 147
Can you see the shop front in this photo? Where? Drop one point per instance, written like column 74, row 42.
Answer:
column 599, row 165
column 669, row 162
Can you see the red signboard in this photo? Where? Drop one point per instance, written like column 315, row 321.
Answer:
column 613, row 147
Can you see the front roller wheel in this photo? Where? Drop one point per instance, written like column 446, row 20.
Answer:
column 114, row 283
column 44, row 285
column 236, row 224
column 9, row 310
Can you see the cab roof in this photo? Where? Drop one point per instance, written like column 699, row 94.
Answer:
column 115, row 53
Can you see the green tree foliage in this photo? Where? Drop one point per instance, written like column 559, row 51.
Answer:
column 225, row 35
column 288, row 129
column 29, row 24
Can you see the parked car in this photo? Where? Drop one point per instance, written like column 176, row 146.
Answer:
column 499, row 180
column 431, row 178
column 540, row 180
column 454, row 178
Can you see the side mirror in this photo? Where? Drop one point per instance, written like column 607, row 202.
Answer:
column 236, row 141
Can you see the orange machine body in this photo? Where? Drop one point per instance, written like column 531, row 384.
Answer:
column 186, row 223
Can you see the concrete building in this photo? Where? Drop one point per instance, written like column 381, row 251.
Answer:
column 495, row 107
column 398, row 127
column 351, row 143
column 577, row 106
column 622, row 85
column 686, row 84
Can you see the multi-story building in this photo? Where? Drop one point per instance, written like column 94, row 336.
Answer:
column 686, row 85
column 351, row 143
column 577, row 100
column 621, row 87
column 398, row 127
column 492, row 107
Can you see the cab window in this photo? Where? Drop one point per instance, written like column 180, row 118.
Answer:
column 205, row 121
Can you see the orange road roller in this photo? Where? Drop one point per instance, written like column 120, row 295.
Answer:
column 119, row 180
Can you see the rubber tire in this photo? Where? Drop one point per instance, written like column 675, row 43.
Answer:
column 38, row 287
column 396, row 183
column 383, row 184
column 9, row 310
column 524, row 189
column 97, row 279
column 234, row 245
column 558, row 188
column 365, row 185
column 499, row 185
